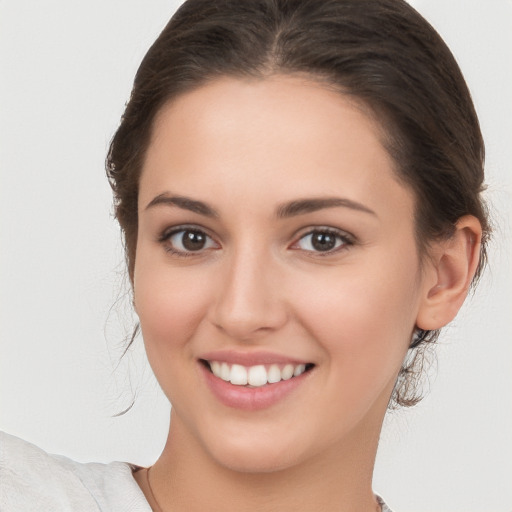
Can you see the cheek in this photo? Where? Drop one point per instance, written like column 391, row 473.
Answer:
column 363, row 317
column 170, row 303
column 357, row 301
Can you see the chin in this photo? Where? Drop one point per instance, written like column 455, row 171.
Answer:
column 243, row 462
column 247, row 456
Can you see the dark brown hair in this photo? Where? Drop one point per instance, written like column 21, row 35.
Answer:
column 381, row 52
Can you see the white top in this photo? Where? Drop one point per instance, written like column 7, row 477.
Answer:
column 33, row 481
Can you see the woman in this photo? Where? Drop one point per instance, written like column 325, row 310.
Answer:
column 298, row 187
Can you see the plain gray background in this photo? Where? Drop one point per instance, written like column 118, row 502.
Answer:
column 66, row 71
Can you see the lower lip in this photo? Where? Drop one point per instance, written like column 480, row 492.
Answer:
column 251, row 399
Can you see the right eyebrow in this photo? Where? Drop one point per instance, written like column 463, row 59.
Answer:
column 183, row 202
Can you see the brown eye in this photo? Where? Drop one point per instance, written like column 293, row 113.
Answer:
column 193, row 240
column 322, row 241
column 189, row 240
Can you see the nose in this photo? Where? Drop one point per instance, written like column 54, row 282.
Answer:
column 250, row 301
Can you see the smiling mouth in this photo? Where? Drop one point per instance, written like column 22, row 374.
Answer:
column 255, row 376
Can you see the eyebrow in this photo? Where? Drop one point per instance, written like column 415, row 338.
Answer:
column 185, row 203
column 302, row 206
column 286, row 210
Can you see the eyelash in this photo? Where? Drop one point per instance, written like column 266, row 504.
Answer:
column 168, row 234
column 346, row 240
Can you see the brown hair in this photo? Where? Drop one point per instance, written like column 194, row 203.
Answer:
column 381, row 52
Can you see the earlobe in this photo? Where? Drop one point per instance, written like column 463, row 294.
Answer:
column 454, row 263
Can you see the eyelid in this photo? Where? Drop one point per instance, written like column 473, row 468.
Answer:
column 347, row 238
column 172, row 230
column 167, row 233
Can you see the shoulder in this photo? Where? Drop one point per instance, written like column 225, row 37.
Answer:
column 34, row 480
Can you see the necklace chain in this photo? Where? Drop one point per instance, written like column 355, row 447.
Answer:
column 159, row 508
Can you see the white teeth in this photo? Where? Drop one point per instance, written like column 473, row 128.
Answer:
column 301, row 368
column 257, row 375
column 274, row 374
column 215, row 367
column 287, row 372
column 238, row 375
column 224, row 372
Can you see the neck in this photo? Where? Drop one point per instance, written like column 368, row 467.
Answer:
column 186, row 478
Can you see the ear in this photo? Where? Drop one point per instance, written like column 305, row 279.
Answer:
column 451, row 269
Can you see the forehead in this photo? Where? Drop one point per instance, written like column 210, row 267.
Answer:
column 277, row 138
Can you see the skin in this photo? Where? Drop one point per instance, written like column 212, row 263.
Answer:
column 246, row 148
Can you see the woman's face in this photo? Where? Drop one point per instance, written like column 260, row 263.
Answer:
column 274, row 238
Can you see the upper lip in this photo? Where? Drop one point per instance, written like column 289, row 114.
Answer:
column 251, row 358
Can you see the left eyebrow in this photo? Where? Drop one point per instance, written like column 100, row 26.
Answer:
column 185, row 203
column 302, row 206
